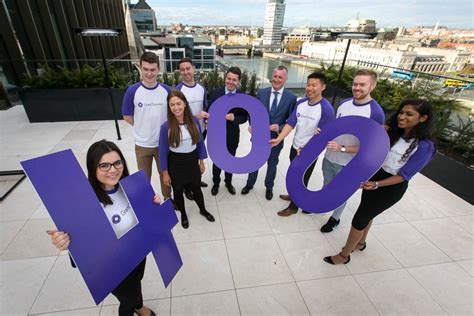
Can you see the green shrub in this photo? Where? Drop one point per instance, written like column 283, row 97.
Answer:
column 85, row 77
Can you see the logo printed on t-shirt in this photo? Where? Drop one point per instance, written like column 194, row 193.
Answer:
column 140, row 104
column 116, row 219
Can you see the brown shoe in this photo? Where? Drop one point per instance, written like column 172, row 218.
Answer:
column 285, row 197
column 287, row 212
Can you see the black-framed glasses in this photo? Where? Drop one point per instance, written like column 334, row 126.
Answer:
column 105, row 166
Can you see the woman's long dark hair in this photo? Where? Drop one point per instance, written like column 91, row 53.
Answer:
column 419, row 132
column 94, row 154
column 174, row 135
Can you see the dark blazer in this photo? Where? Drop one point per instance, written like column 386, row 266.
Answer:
column 285, row 106
column 240, row 117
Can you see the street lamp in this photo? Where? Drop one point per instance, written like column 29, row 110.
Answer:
column 103, row 32
column 349, row 36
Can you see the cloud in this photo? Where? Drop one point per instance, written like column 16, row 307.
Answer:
column 453, row 13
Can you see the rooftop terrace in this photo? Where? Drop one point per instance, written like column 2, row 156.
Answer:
column 419, row 256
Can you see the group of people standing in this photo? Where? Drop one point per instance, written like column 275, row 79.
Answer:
column 170, row 128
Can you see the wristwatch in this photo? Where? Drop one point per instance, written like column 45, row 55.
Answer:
column 343, row 148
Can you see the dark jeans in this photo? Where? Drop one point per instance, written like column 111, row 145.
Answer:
column 306, row 178
column 272, row 163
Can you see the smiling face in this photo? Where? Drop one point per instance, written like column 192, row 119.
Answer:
column 149, row 73
column 177, row 108
column 186, row 70
column 314, row 89
column 362, row 86
column 232, row 81
column 109, row 179
column 279, row 78
column 409, row 117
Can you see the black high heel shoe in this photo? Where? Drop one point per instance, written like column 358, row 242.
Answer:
column 364, row 245
column 207, row 215
column 329, row 259
column 152, row 313
column 184, row 220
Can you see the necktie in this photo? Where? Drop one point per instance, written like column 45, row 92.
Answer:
column 274, row 103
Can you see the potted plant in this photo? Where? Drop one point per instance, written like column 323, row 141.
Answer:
column 62, row 94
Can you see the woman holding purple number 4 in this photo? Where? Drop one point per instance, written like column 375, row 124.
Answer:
column 106, row 166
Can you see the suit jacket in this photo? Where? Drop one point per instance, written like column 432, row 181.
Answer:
column 240, row 117
column 285, row 106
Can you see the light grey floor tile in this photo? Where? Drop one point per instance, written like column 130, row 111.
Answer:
column 467, row 265
column 19, row 205
column 205, row 269
column 8, row 231
column 397, row 292
column 295, row 223
column 446, row 202
column 31, row 241
column 243, row 220
column 466, row 222
column 414, row 207
column 304, row 253
column 278, row 299
column 408, row 246
column 79, row 135
column 449, row 237
column 21, row 281
column 75, row 312
column 449, row 285
column 200, row 229
column 217, row 303
column 266, row 266
column 64, row 289
column 336, row 296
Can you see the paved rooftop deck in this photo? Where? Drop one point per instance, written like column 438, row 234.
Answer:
column 419, row 256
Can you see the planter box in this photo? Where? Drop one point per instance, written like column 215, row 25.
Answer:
column 59, row 105
column 451, row 175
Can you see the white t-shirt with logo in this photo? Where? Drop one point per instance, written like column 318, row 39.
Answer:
column 148, row 106
column 196, row 97
column 120, row 214
column 348, row 107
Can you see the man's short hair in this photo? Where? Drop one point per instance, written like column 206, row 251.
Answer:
column 185, row 60
column 366, row 72
column 235, row 71
column 282, row 67
column 318, row 75
column 150, row 57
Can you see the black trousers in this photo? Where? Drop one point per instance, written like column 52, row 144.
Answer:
column 129, row 292
column 184, row 172
column 216, row 171
column 374, row 202
column 307, row 175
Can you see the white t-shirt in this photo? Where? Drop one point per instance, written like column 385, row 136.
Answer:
column 186, row 145
column 148, row 107
column 120, row 214
column 348, row 107
column 196, row 96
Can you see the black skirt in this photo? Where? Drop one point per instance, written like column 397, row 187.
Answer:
column 374, row 202
column 183, row 168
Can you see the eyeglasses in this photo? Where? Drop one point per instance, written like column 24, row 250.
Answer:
column 105, row 166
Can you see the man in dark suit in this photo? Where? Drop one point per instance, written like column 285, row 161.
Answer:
column 234, row 118
column 279, row 103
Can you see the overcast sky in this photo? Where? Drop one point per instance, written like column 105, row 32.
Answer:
column 451, row 13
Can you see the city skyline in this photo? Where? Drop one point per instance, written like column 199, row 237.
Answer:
column 327, row 13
